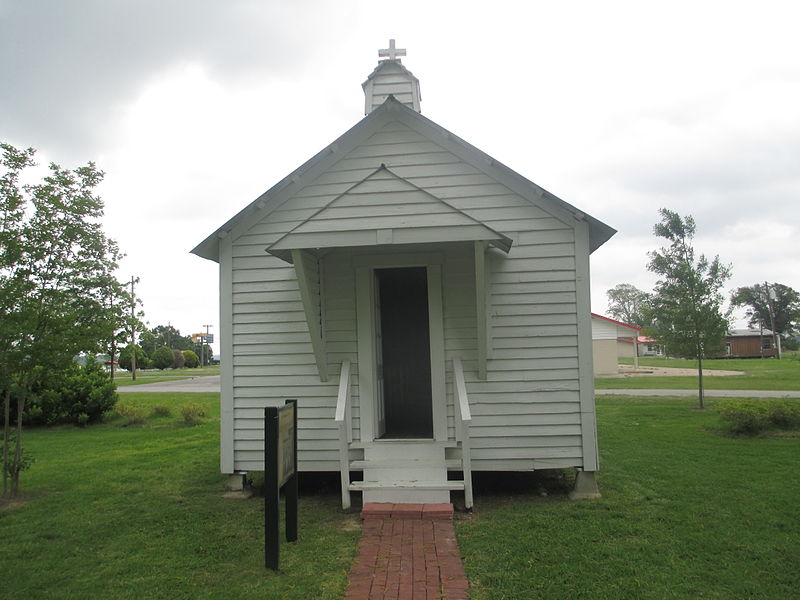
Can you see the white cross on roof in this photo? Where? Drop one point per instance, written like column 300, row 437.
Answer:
column 391, row 51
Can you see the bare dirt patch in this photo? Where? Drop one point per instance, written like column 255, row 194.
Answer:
column 630, row 371
column 9, row 503
column 351, row 523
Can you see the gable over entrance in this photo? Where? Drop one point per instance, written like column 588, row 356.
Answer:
column 385, row 209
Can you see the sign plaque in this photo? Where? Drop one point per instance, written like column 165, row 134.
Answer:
column 280, row 471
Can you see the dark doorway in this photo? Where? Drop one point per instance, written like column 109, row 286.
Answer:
column 405, row 352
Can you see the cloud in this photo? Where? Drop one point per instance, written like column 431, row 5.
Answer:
column 69, row 67
column 195, row 107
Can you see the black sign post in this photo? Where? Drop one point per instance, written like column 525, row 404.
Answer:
column 280, row 471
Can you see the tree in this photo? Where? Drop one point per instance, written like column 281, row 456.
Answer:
column 125, row 357
column 771, row 306
column 148, row 342
column 177, row 359
column 191, row 360
column 686, row 306
column 122, row 305
column 628, row 304
column 205, row 354
column 56, row 274
column 164, row 335
column 163, row 358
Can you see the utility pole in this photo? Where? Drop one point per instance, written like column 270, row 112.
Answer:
column 113, row 346
column 205, row 341
column 133, row 330
column 771, row 297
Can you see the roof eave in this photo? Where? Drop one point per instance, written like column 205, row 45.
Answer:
column 209, row 247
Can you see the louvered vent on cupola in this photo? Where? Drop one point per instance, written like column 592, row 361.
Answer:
column 390, row 77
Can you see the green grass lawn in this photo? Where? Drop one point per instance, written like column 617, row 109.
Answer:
column 760, row 374
column 137, row 512
column 123, row 378
column 686, row 513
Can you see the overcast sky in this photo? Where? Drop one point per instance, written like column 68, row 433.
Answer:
column 195, row 107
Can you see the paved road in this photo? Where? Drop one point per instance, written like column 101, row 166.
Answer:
column 709, row 393
column 209, row 383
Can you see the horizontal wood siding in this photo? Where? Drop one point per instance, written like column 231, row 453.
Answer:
column 604, row 330
column 526, row 414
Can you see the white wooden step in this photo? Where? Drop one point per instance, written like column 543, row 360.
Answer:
column 405, row 471
column 358, row 465
column 359, row 486
column 405, row 443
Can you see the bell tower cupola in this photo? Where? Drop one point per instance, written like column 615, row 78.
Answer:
column 390, row 77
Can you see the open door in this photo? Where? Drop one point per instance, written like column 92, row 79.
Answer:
column 404, row 401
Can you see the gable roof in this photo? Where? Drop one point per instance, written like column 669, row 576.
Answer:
column 393, row 110
column 400, row 213
column 620, row 323
column 749, row 333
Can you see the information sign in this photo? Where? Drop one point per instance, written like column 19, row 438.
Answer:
column 280, row 471
column 286, row 443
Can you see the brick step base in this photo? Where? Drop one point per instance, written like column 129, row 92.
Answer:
column 388, row 510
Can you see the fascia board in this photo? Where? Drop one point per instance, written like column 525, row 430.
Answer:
column 290, row 185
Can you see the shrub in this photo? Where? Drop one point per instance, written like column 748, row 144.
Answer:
column 784, row 414
column 132, row 411
column 191, row 360
column 192, row 413
column 75, row 394
column 162, row 411
column 751, row 417
column 163, row 358
column 743, row 416
column 177, row 359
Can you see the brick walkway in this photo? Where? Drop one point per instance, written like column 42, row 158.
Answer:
column 407, row 552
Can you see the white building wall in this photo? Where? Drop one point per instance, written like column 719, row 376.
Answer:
column 526, row 414
column 603, row 330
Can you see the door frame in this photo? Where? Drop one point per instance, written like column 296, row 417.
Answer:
column 365, row 316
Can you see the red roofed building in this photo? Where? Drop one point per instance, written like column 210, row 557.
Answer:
column 607, row 335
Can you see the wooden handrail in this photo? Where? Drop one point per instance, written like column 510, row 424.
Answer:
column 343, row 399
column 461, row 391
column 342, row 419
column 463, row 420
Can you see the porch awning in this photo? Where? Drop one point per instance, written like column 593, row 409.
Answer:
column 385, row 209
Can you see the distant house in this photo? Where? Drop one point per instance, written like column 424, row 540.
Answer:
column 607, row 336
column 645, row 346
column 749, row 343
column 426, row 305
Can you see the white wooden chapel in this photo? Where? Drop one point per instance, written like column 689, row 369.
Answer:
column 426, row 305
